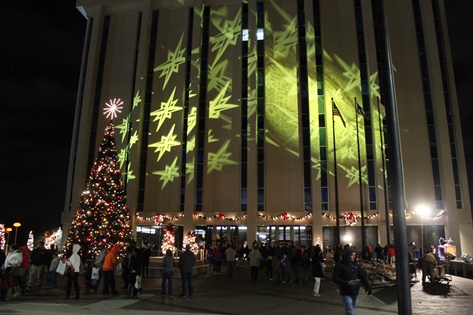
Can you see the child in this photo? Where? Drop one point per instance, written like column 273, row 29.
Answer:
column 6, row 283
column 52, row 271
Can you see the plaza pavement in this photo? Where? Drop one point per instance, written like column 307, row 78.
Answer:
column 221, row 294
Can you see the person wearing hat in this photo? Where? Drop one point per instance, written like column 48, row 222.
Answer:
column 348, row 274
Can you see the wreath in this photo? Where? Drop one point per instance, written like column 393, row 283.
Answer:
column 350, row 219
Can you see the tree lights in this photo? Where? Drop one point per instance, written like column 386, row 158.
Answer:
column 102, row 216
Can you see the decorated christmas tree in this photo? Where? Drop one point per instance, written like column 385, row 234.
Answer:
column 53, row 238
column 30, row 242
column 168, row 239
column 189, row 238
column 2, row 237
column 102, row 216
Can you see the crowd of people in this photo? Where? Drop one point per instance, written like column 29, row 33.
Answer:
column 23, row 270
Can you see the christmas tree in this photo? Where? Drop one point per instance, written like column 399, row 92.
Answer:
column 168, row 239
column 2, row 237
column 102, row 216
column 30, row 242
column 189, row 238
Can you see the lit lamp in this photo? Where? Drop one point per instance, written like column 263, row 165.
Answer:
column 16, row 225
column 8, row 230
column 423, row 211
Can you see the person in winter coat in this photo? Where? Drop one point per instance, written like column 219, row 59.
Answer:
column 348, row 275
column 168, row 273
column 134, row 270
column 25, row 263
column 14, row 260
column 186, row 264
column 109, row 265
column 72, row 277
column 210, row 260
column 39, row 261
column 52, row 271
column 230, row 256
column 317, row 270
column 255, row 259
column 98, row 264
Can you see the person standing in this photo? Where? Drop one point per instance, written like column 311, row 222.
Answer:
column 317, row 270
column 14, row 260
column 134, row 270
column 146, row 255
column 72, row 277
column 230, row 256
column 39, row 260
column 109, row 265
column 218, row 255
column 210, row 260
column 168, row 273
column 348, row 274
column 255, row 260
column 186, row 264
column 379, row 252
column 52, row 271
column 98, row 264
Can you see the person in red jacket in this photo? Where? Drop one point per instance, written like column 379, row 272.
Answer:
column 109, row 265
column 391, row 254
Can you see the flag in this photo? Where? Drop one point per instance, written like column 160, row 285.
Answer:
column 336, row 112
column 359, row 110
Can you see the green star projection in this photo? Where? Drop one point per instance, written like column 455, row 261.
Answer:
column 340, row 82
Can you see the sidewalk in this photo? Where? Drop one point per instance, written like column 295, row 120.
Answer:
column 221, row 294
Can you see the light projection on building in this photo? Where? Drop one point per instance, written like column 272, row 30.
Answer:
column 175, row 59
column 282, row 109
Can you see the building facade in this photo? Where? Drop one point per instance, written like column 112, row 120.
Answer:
column 264, row 120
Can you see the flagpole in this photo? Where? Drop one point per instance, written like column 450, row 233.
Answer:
column 360, row 178
column 337, row 205
column 396, row 174
column 385, row 186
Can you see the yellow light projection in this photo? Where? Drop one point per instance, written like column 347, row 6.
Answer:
column 282, row 122
column 220, row 158
column 169, row 173
column 166, row 110
column 229, row 33
column 175, row 59
column 220, row 104
column 167, row 142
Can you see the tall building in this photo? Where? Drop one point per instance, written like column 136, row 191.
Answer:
column 253, row 120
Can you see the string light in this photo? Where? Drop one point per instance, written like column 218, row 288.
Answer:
column 102, row 217
column 220, row 216
column 159, row 219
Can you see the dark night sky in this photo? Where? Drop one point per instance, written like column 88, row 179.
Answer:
column 40, row 55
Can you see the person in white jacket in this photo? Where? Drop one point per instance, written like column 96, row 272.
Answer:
column 14, row 257
column 14, row 260
column 72, row 277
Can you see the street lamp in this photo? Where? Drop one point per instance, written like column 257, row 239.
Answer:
column 8, row 230
column 16, row 225
column 423, row 211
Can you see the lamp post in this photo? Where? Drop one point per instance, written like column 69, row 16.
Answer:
column 8, row 230
column 422, row 211
column 16, row 225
